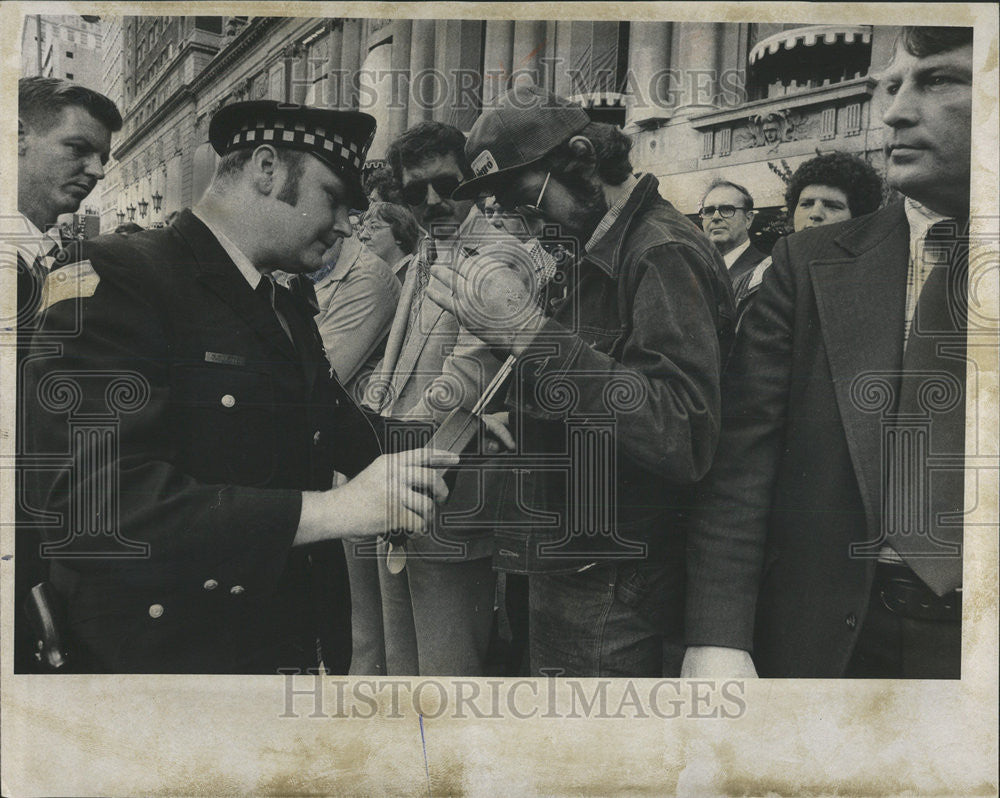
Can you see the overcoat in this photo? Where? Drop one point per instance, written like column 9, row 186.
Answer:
column 798, row 476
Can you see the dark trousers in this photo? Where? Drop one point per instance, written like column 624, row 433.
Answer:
column 608, row 621
column 893, row 645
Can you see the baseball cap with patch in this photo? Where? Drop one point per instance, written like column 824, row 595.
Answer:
column 340, row 139
column 525, row 124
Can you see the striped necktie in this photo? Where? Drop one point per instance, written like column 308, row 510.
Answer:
column 925, row 479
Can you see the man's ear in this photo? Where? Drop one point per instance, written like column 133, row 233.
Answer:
column 750, row 215
column 263, row 165
column 582, row 147
column 583, row 150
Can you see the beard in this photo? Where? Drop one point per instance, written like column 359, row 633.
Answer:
column 589, row 207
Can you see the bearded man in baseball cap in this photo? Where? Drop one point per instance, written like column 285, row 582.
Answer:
column 615, row 393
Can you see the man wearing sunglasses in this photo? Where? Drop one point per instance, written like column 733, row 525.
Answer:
column 434, row 617
column 615, row 393
column 726, row 216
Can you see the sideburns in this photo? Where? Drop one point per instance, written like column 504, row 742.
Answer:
column 289, row 193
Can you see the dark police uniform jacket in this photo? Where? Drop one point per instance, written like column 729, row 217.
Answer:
column 183, row 426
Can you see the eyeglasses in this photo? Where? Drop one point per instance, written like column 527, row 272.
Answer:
column 415, row 193
column 725, row 211
column 533, row 209
column 369, row 227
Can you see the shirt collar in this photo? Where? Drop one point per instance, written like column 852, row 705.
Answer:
column 612, row 214
column 733, row 255
column 243, row 263
column 29, row 241
column 607, row 252
column 920, row 219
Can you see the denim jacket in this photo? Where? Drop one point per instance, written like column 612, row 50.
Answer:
column 616, row 404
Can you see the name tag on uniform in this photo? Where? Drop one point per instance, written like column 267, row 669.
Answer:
column 74, row 281
column 228, row 360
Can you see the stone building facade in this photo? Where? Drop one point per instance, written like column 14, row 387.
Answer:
column 744, row 101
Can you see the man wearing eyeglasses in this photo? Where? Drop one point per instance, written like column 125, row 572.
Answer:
column 726, row 216
column 615, row 394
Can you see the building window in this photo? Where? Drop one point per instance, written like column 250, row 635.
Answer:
column 69, row 53
column 828, row 124
column 852, row 119
column 725, row 141
column 69, row 76
column 707, row 144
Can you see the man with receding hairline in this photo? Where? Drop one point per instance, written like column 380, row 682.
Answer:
column 63, row 141
column 726, row 216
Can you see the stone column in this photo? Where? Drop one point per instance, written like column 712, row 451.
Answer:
column 648, row 65
column 350, row 62
column 334, row 79
column 698, row 65
column 422, row 42
column 399, row 82
column 498, row 56
column 528, row 50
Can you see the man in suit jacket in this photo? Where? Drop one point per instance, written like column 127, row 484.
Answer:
column 213, row 458
column 726, row 216
column 805, row 548
column 63, row 141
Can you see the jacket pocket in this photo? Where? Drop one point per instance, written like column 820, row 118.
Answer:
column 225, row 421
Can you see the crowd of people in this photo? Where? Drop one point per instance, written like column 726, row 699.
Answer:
column 499, row 408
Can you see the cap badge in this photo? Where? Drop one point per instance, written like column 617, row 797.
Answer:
column 484, row 164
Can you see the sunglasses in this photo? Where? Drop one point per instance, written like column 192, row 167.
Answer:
column 415, row 193
column 532, row 209
column 725, row 211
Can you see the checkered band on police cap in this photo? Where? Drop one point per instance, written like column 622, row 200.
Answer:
column 524, row 125
column 338, row 138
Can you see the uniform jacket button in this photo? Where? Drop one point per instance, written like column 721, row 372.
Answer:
column 210, row 584
column 228, row 400
column 155, row 610
column 236, row 590
column 851, row 621
column 316, row 437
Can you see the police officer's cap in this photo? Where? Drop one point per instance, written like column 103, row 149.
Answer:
column 340, row 139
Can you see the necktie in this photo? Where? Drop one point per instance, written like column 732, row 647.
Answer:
column 925, row 481
column 304, row 290
column 39, row 269
column 274, row 295
column 422, row 276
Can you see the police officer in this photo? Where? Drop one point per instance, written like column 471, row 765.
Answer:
column 210, row 460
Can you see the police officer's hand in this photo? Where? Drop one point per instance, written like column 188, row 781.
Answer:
column 496, row 300
column 396, row 492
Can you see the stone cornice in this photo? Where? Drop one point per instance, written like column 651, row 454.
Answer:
column 837, row 91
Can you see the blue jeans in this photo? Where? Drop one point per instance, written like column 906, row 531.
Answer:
column 609, row 620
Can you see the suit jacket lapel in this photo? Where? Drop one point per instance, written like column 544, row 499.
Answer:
column 393, row 343
column 219, row 274
column 428, row 316
column 861, row 300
